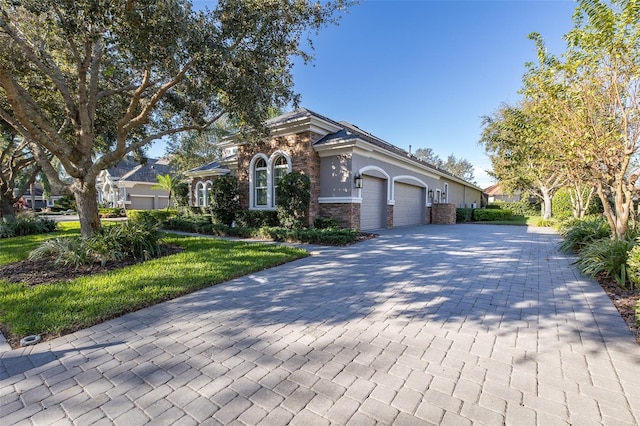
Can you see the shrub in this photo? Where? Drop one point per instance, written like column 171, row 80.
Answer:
column 67, row 202
column 561, row 205
column 491, row 215
column 329, row 236
column 325, row 222
column 125, row 240
column 519, row 208
column 633, row 268
column 187, row 223
column 256, row 218
column 224, row 199
column 638, row 313
column 606, row 256
column 27, row 225
column 580, row 233
column 69, row 251
column 107, row 212
column 150, row 217
column 109, row 243
column 463, row 215
column 293, row 196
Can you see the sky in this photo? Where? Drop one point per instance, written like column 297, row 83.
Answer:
column 423, row 73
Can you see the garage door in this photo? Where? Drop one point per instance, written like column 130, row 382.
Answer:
column 408, row 209
column 141, row 203
column 373, row 211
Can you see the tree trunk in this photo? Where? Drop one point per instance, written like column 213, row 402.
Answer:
column 7, row 211
column 87, row 203
column 547, row 209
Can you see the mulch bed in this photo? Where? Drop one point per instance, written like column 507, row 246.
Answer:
column 624, row 300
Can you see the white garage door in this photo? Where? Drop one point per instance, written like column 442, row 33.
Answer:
column 409, row 205
column 141, row 203
column 373, row 211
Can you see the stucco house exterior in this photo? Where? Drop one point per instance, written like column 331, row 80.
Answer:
column 129, row 184
column 357, row 178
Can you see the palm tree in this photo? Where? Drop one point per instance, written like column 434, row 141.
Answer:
column 168, row 183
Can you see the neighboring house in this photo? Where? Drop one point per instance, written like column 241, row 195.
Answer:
column 129, row 184
column 495, row 193
column 37, row 200
column 357, row 178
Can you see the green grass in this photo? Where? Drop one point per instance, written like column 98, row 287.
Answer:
column 18, row 248
column 517, row 221
column 60, row 307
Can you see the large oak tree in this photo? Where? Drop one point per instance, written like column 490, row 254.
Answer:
column 90, row 81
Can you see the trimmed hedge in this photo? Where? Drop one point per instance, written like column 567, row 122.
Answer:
column 464, row 215
column 518, row 208
column 203, row 225
column 491, row 215
column 150, row 217
column 257, row 218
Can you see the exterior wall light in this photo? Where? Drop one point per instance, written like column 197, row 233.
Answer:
column 357, row 180
column 431, row 195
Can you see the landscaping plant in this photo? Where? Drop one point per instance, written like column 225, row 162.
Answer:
column 224, row 199
column 580, row 233
column 293, row 196
column 608, row 257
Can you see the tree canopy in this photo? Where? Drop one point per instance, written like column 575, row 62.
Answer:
column 586, row 104
column 459, row 167
column 88, row 82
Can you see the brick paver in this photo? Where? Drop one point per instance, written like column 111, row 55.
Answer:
column 464, row 324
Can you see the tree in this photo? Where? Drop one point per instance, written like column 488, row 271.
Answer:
column 168, row 183
column 522, row 153
column 591, row 98
column 427, row 155
column 459, row 167
column 88, row 82
column 18, row 170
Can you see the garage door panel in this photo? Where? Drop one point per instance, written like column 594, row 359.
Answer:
column 409, row 205
column 141, row 203
column 374, row 203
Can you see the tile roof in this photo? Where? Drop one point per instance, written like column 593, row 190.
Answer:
column 130, row 170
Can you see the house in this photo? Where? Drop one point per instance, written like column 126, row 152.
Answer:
column 357, row 178
column 129, row 184
column 38, row 199
column 496, row 193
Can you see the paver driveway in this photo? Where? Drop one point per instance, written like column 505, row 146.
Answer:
column 430, row 325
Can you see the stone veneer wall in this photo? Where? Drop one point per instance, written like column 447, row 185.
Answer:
column 389, row 216
column 427, row 218
column 347, row 214
column 443, row 214
column 303, row 159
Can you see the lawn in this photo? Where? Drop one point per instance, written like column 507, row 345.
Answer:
column 57, row 308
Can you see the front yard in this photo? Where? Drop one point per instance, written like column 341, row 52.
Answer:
column 64, row 306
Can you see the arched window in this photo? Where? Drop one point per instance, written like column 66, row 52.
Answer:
column 207, row 193
column 200, row 194
column 280, row 168
column 260, row 183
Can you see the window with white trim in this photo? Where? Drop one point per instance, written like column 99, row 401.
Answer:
column 260, row 183
column 200, row 194
column 280, row 168
column 438, row 195
column 445, row 194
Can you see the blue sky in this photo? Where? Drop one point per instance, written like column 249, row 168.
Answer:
column 423, row 73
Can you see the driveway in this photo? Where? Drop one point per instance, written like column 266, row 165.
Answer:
column 453, row 325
